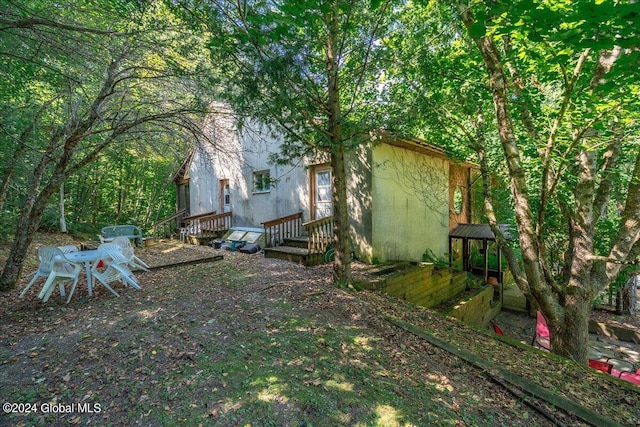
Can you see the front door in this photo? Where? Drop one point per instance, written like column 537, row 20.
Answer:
column 322, row 205
column 225, row 196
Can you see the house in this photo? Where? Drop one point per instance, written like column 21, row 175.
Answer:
column 404, row 195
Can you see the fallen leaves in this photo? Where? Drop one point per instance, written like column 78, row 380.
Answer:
column 144, row 356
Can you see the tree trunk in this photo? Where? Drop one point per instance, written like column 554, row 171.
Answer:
column 28, row 222
column 27, row 225
column 630, row 295
column 63, row 220
column 570, row 338
column 565, row 302
column 535, row 284
column 342, row 241
column 567, row 317
column 342, row 263
column 6, row 182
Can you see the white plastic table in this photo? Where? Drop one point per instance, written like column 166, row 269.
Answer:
column 86, row 258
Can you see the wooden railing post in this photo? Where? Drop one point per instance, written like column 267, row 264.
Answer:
column 276, row 230
column 208, row 224
column 177, row 217
column 320, row 234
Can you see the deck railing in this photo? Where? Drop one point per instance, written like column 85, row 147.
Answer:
column 170, row 224
column 276, row 230
column 207, row 224
column 213, row 225
column 195, row 217
column 320, row 234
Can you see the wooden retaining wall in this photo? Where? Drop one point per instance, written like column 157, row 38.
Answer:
column 513, row 299
column 477, row 309
column 421, row 285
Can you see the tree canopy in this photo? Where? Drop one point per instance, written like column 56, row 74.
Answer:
column 85, row 85
column 552, row 115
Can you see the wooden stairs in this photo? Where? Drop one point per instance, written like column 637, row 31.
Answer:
column 294, row 249
column 288, row 239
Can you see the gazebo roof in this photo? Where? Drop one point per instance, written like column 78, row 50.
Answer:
column 478, row 231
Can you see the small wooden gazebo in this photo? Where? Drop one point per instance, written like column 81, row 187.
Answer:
column 469, row 233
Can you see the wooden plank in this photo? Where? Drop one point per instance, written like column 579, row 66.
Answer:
column 399, row 283
column 431, row 283
column 434, row 290
column 398, row 289
column 284, row 219
column 288, row 253
column 431, row 299
column 459, row 278
column 476, row 310
column 438, row 296
column 371, row 285
column 184, row 263
column 531, row 388
column 288, row 250
column 411, row 273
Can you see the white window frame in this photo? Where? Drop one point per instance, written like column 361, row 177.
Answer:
column 322, row 207
column 260, row 176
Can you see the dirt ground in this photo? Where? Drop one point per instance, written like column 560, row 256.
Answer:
column 189, row 349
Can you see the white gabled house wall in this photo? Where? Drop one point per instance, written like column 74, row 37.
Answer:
column 399, row 191
column 233, row 156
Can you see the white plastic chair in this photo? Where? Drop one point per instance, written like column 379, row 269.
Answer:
column 127, row 250
column 44, row 269
column 68, row 249
column 117, row 260
column 114, row 268
column 65, row 249
column 40, row 273
column 56, row 268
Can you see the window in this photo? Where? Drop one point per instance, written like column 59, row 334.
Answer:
column 322, row 203
column 225, row 196
column 458, row 200
column 261, row 182
column 323, row 193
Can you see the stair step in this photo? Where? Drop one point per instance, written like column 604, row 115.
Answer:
column 289, row 249
column 297, row 242
column 288, row 253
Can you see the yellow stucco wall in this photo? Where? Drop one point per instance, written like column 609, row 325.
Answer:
column 358, row 162
column 410, row 208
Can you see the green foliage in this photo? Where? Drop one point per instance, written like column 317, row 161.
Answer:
column 438, row 261
column 477, row 260
column 142, row 128
column 275, row 58
column 439, row 73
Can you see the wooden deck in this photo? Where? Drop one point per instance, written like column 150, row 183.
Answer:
column 200, row 229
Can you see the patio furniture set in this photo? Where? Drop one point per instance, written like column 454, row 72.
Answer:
column 113, row 260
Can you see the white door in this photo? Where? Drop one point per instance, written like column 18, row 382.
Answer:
column 322, row 193
column 225, row 201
